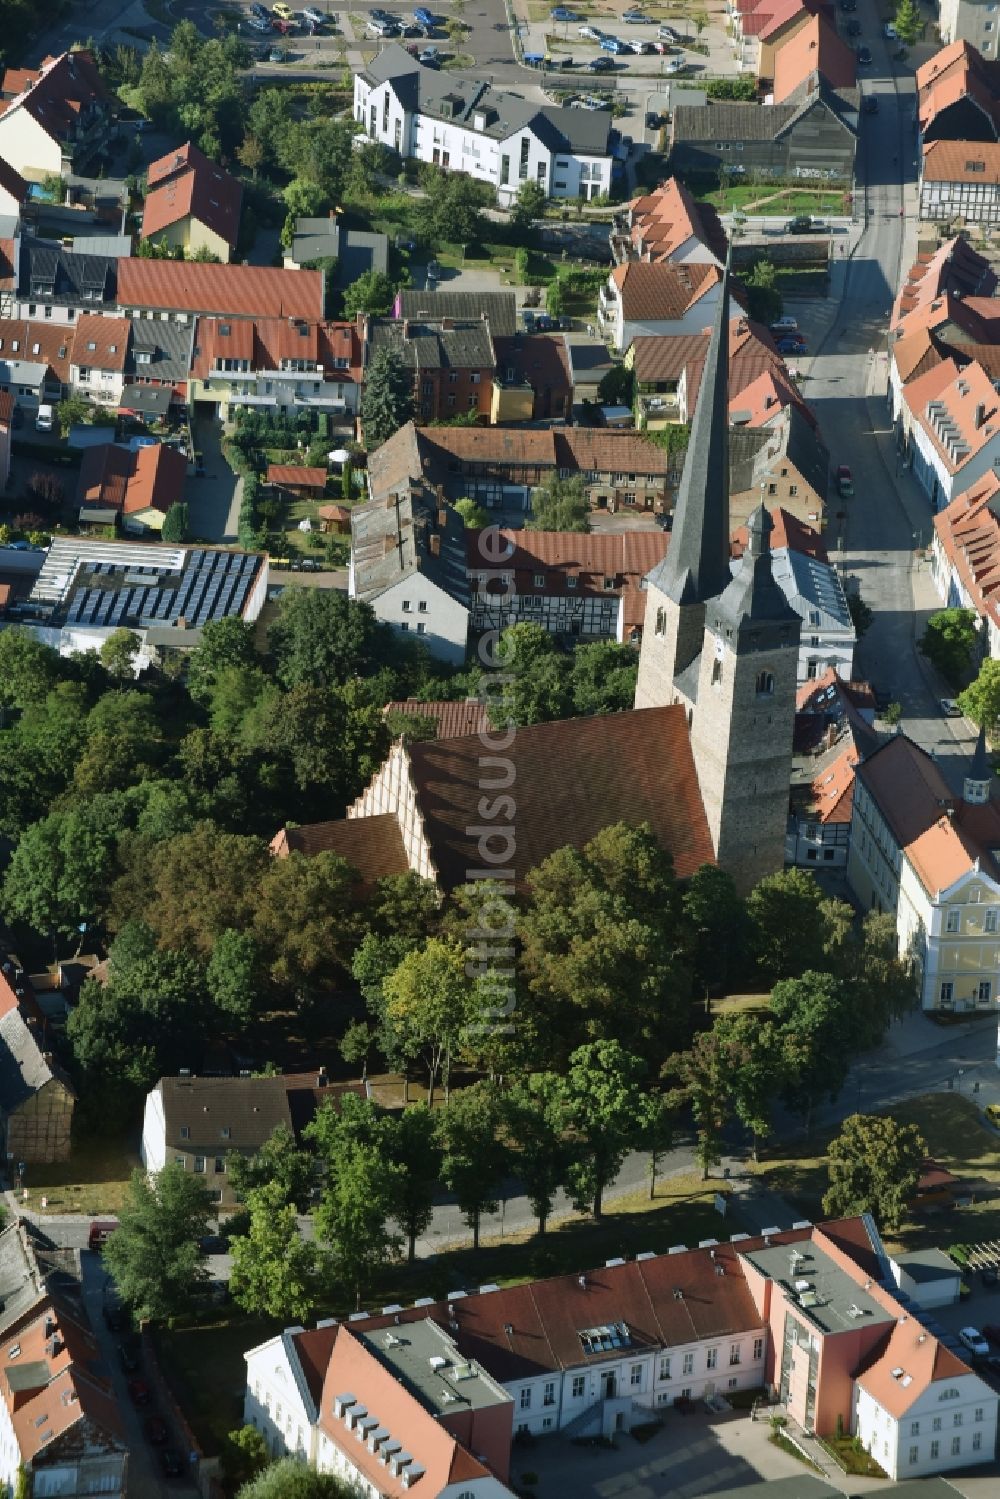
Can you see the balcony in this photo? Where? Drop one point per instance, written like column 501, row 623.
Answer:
column 660, row 410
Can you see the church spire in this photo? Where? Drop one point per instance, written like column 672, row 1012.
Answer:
column 696, row 567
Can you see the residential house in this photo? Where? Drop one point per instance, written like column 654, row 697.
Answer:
column 783, row 459
column 586, row 587
column 408, row 560
column 495, row 136
column 351, row 252
column 34, row 361
column 958, row 96
column 450, row 363
column 192, row 204
column 667, row 370
column 969, row 21
column 54, row 119
column 497, row 308
column 668, row 225
column 813, row 53
column 604, row 1350
column 133, row 488
column 499, row 466
column 99, row 358
column 960, row 180
column 84, row 590
column 953, row 268
column 60, row 1424
column 13, row 191
column 833, row 732
column 200, row 1123
column 182, row 290
column 813, row 137
column 57, row 284
column 781, row 20
column 387, row 1414
column 954, row 435
column 929, row 857
column 36, row 1096
column 278, row 364
column 965, row 556
column 533, row 379
column 640, row 298
column 158, row 366
column 814, row 590
column 748, row 20
column 589, row 363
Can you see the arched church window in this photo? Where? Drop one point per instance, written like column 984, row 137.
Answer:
column 765, row 684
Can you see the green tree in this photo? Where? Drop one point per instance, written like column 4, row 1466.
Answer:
column 817, row 1031
column 276, row 1273
column 58, row 876
column 175, row 523
column 291, row 1479
column 415, row 1148
column 279, row 1162
column 303, row 920
column 764, row 300
column 787, row 926
column 560, row 505
column 476, row 1159
column 153, row 1254
column 250, row 155
column 323, row 638
column 28, row 669
column 617, row 388
column 981, row 699
column 72, row 411
column 536, row 1125
column 233, row 977
column 528, row 206
column 908, row 21
column 225, row 644
column 948, row 641
column 245, row 1455
column 716, row 923
column 602, row 678
column 387, row 401
column 703, row 1083
column 874, row 1165
column 201, row 884
column 861, row 614
column 118, row 654
column 451, row 211
column 429, row 1003
column 353, row 1215
column 607, row 1113
column 534, row 678
column 372, row 292
column 474, row 517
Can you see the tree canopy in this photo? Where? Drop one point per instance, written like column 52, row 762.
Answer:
column 874, row 1165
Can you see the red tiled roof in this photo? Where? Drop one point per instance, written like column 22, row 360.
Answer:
column 112, row 478
column 57, row 94
column 968, row 532
column 955, row 267
column 955, row 73
column 816, row 48
column 40, row 343
column 787, row 531
column 962, row 161
column 238, row 291
column 186, row 183
column 265, row 342
column 296, row 476
column 581, row 449
column 662, row 292
column 454, row 720
column 101, row 342
column 571, row 783
column 371, row 845
column 661, row 222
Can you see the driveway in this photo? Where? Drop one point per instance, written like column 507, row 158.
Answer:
column 214, row 499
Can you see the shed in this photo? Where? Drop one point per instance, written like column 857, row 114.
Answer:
column 928, row 1276
column 336, row 519
column 298, row 479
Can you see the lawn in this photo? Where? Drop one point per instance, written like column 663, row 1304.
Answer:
column 768, row 198
column 93, row 1182
column 205, row 1369
column 956, row 1138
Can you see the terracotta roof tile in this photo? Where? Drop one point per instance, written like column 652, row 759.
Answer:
column 296, row 476
column 112, row 478
column 38, row 343
column 454, row 720
column 968, row 532
column 372, row 845
column 816, row 48
column 955, row 73
column 962, row 161
column 101, row 342
column 660, row 223
column 267, row 341
column 570, row 785
column 238, row 291
column 662, row 292
column 966, row 409
column 185, row 182
column 787, row 531
column 56, row 94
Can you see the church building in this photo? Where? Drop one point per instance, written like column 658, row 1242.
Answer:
column 704, row 758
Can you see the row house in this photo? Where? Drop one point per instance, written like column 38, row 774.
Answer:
column 667, row 369
column 833, row 731
column 533, row 379
column 451, row 363
column 930, row 857
column 35, row 361
column 466, row 125
column 813, row 55
column 808, row 1313
column 56, row 118
column 100, row 351
column 668, row 225
column 781, row 457
column 954, row 434
column 276, row 363
column 953, row 270
column 58, row 284
column 958, row 96
column 960, row 180
column 183, row 290
column 970, row 21
column 965, row 556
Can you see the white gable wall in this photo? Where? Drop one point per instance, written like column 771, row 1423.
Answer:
column 29, row 149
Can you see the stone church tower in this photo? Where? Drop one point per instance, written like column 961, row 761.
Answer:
column 724, row 642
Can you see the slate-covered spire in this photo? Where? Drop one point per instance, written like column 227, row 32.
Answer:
column 752, row 597
column 696, row 567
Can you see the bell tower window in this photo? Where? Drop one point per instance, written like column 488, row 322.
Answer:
column 661, row 621
column 716, row 672
column 765, row 684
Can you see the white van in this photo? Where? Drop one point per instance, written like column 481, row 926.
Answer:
column 45, row 420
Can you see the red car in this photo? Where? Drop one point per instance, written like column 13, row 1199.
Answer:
column 138, row 1391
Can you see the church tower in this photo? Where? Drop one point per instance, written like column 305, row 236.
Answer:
column 744, row 714
column 696, row 567
column 724, row 642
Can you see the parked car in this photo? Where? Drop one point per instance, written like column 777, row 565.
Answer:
column 381, row 28
column 645, row 48
column 637, row 18
column 423, row 16
column 845, row 482
column 156, row 1431
column 546, row 324
column 784, row 324
column 864, row 56
column 801, row 224
column 677, row 65
column 667, row 34
column 793, row 344
column 600, row 65
column 973, row 1339
column 613, row 44
column 277, row 54
column 563, row 13
column 313, row 16
column 284, row 28
column 430, row 57
column 138, row 1391
column 45, row 419
column 888, row 31
column 589, row 33
column 260, row 23
column 654, row 120
column 871, row 104
column 100, row 1230
column 171, row 1462
column 280, row 9
column 950, row 709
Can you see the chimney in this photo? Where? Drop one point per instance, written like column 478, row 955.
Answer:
column 435, row 546
column 442, row 518
column 980, row 415
column 406, row 327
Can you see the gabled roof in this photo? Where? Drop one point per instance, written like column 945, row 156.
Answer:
column 101, row 343
column 728, row 120
column 186, row 183
column 537, row 359
column 113, row 478
column 570, row 785
column 238, row 291
column 977, row 162
column 453, row 719
column 250, row 1108
column 968, row 531
column 48, row 344
column 371, row 845
column 660, row 223
column 57, row 95
column 907, row 1366
column 395, row 535
column 662, row 292
column 498, row 308
column 814, row 49
column 446, row 345
column 788, row 531
column 268, row 341
column 660, row 357
column 955, row 74
column 963, row 415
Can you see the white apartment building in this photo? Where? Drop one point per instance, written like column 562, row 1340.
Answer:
column 468, row 126
column 815, row 592
column 975, row 21
column 955, row 434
